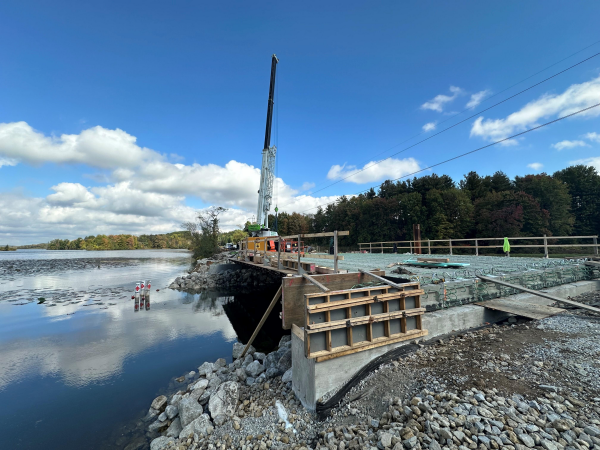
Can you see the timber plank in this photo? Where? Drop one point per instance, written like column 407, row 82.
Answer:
column 366, row 345
column 520, row 308
column 362, row 320
column 338, row 304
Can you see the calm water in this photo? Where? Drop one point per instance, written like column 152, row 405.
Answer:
column 80, row 370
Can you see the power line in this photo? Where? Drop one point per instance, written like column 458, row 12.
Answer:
column 456, row 124
column 470, row 152
column 467, row 109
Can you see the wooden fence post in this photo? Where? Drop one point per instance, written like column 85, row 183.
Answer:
column 545, row 247
column 450, row 241
column 335, row 251
column 596, row 245
column 429, row 246
column 476, row 247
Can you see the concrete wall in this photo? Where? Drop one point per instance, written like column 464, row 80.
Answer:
column 312, row 380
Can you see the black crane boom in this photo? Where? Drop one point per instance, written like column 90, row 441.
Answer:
column 274, row 62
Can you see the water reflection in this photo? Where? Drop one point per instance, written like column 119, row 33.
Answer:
column 86, row 349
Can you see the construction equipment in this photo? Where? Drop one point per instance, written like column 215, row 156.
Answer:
column 267, row 173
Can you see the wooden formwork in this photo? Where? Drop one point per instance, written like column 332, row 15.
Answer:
column 338, row 323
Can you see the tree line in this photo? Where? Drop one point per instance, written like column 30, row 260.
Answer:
column 566, row 203
column 178, row 239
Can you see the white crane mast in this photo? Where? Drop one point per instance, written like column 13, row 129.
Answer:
column 265, row 193
column 267, row 172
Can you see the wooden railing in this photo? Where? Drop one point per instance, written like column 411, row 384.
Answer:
column 256, row 248
column 425, row 245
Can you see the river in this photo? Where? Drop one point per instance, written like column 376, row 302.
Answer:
column 80, row 369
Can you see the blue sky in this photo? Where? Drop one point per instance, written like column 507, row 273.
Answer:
column 130, row 116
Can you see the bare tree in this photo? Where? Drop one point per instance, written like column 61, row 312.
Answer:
column 205, row 232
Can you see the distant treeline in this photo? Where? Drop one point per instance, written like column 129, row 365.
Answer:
column 566, row 203
column 178, row 239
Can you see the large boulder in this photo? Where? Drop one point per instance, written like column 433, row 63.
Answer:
column 271, row 360
column 161, row 443
column 174, row 429
column 189, row 410
column 202, row 383
column 254, row 369
column 221, row 362
column 158, row 426
column 171, row 411
column 287, row 376
column 238, row 348
column 201, row 425
column 223, row 402
column 285, row 339
column 285, row 361
column 205, row 369
column 159, row 403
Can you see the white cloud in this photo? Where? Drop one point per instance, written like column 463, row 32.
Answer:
column 8, row 162
column 535, row 166
column 568, row 144
column 96, row 147
column 69, row 194
column 306, row 186
column 594, row 162
column 391, row 168
column 477, row 98
column 439, row 101
column 146, row 194
column 594, row 137
column 576, row 97
column 429, row 126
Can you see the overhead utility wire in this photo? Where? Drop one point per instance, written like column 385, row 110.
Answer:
column 456, row 124
column 472, row 151
column 483, row 101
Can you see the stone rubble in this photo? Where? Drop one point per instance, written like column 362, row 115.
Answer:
column 199, row 278
column 516, row 386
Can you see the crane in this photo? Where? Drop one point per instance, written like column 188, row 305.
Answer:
column 267, row 172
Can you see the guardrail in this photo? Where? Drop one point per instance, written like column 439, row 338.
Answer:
column 419, row 246
column 256, row 247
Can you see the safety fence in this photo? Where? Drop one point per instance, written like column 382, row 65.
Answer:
column 475, row 245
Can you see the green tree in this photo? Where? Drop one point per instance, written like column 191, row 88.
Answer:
column 583, row 183
column 553, row 196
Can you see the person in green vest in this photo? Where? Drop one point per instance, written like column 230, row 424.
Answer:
column 506, row 247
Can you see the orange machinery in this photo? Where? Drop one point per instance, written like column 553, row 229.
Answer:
column 258, row 244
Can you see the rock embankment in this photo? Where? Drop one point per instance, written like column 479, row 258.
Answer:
column 518, row 386
column 219, row 394
column 200, row 278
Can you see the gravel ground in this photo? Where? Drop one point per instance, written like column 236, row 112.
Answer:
column 489, row 264
column 518, row 385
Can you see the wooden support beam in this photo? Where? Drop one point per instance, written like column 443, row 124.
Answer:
column 541, row 294
column 377, row 277
column 315, row 282
column 362, row 320
column 437, row 260
column 349, row 302
column 310, row 235
column 262, row 321
column 366, row 345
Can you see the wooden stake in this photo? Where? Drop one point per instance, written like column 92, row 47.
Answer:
column 262, row 321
